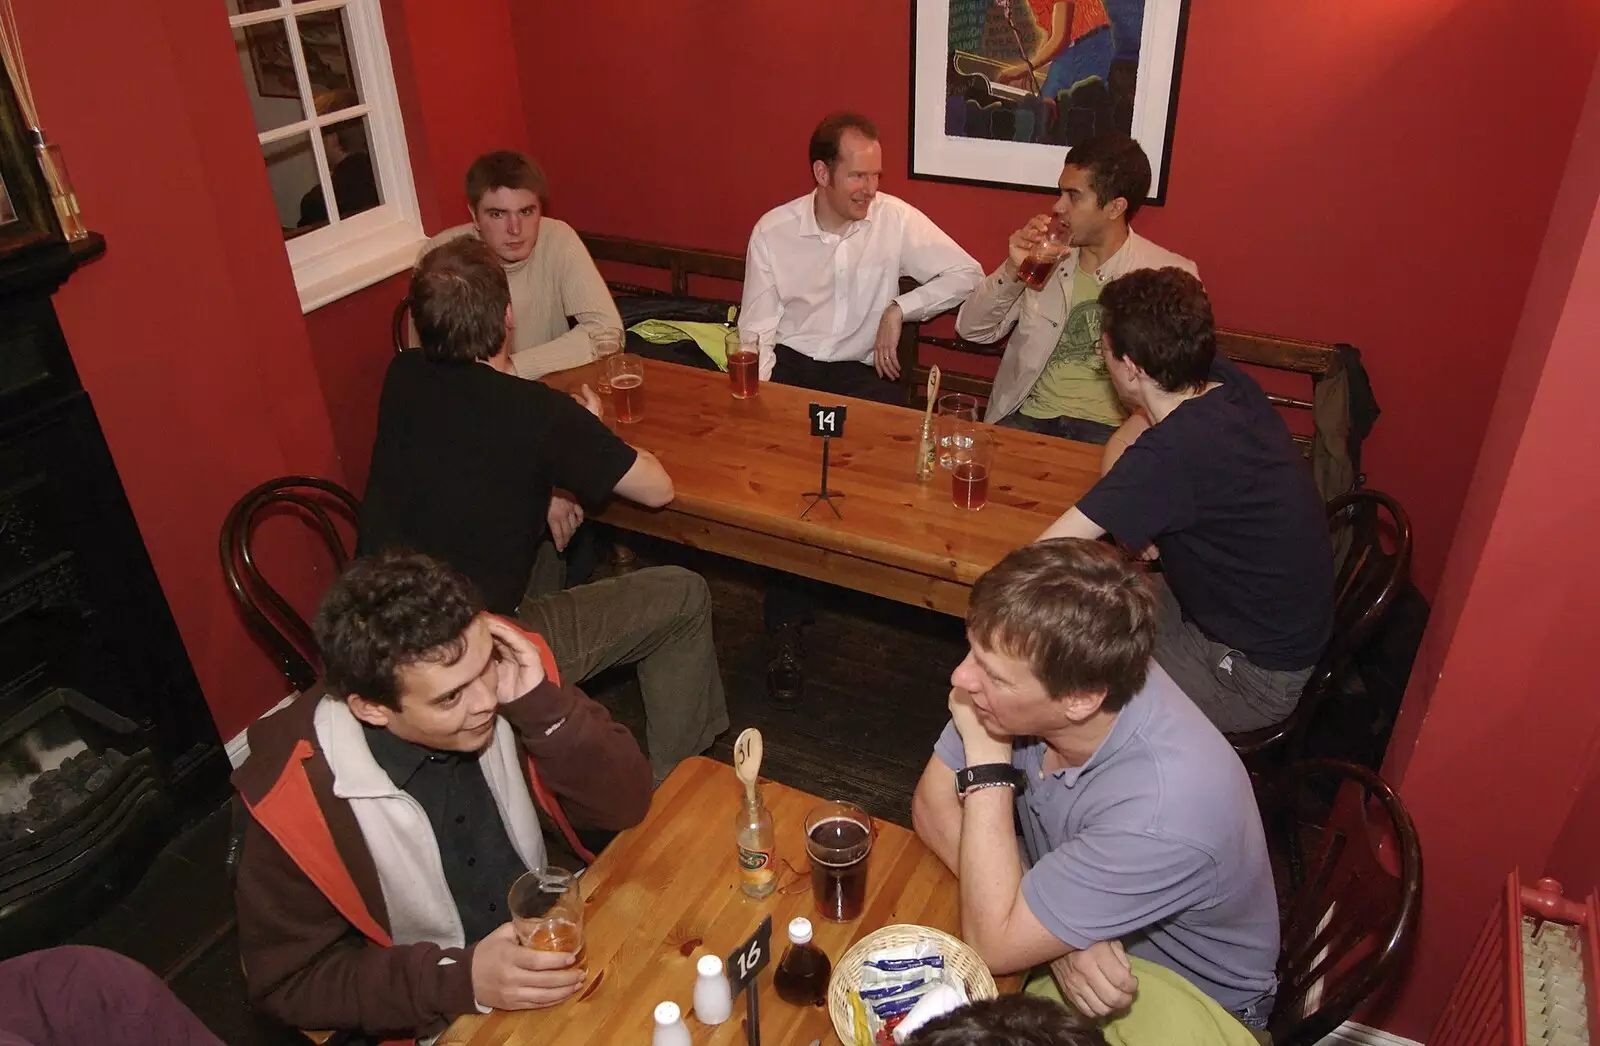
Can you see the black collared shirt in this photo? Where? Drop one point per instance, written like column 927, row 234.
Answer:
column 480, row 864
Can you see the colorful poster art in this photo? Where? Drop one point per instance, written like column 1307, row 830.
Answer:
column 1001, row 89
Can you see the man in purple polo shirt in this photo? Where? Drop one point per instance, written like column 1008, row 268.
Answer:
column 1138, row 821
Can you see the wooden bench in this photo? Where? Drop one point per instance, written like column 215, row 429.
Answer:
column 1311, row 360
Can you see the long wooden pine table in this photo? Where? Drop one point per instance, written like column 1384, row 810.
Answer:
column 741, row 466
column 667, row 891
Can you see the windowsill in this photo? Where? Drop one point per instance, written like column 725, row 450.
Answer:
column 361, row 273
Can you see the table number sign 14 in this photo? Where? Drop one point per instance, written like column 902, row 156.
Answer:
column 744, row 965
column 827, row 420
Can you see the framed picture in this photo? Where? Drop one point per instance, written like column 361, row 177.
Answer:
column 27, row 217
column 1001, row 89
column 327, row 54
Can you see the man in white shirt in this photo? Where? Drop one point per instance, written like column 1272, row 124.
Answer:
column 822, row 275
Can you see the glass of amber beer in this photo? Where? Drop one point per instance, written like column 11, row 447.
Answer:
column 744, row 364
column 838, row 841
column 1051, row 247
column 624, row 372
column 547, row 910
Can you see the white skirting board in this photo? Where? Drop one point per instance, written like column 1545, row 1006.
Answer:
column 1352, row 1034
column 1348, row 1034
column 238, row 747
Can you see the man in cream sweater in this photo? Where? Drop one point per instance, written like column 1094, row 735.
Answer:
column 551, row 274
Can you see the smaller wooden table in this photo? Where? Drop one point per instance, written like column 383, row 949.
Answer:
column 667, row 891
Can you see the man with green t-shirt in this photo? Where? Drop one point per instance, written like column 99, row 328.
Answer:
column 1052, row 378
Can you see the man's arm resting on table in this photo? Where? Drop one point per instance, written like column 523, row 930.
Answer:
column 761, row 306
column 1073, row 524
column 646, row 482
column 936, row 813
column 995, row 918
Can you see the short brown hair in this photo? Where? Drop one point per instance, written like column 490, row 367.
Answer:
column 1161, row 318
column 1117, row 166
column 825, row 139
column 1076, row 611
column 386, row 612
column 504, row 169
column 1011, row 1020
column 459, row 297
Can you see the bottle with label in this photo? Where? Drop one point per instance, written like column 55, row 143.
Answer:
column 753, row 830
column 802, row 974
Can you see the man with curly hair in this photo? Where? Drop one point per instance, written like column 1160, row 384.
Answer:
column 1213, row 483
column 393, row 806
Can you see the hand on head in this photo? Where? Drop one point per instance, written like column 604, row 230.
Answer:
column 520, row 667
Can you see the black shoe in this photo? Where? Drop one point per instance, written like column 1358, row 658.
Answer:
column 786, row 672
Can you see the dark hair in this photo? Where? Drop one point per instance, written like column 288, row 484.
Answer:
column 1161, row 318
column 504, row 169
column 458, row 301
column 1081, row 617
column 386, row 612
column 825, row 139
column 1011, row 1020
column 1117, row 166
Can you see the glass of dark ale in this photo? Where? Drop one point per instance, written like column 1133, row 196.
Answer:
column 624, row 372
column 969, row 472
column 744, row 364
column 1035, row 270
column 838, row 841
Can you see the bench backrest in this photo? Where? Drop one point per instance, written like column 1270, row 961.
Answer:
column 1311, row 359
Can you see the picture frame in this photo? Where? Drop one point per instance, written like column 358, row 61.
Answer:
column 983, row 113
column 327, row 53
column 27, row 215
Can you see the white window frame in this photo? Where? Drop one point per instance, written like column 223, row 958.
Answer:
column 356, row 252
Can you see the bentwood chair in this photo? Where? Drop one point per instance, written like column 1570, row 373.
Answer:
column 1368, row 578
column 398, row 324
column 1355, row 866
column 276, row 624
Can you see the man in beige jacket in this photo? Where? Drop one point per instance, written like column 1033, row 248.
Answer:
column 1052, row 378
column 552, row 276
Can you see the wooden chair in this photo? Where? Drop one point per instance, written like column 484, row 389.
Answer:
column 1366, row 583
column 277, row 624
column 1356, row 877
column 398, row 332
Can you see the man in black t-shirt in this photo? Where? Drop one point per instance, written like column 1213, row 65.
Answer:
column 1216, row 485
column 473, row 465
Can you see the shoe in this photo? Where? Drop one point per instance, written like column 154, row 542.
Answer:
column 786, row 671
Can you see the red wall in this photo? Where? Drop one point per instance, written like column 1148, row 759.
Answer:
column 1496, row 750
column 1324, row 173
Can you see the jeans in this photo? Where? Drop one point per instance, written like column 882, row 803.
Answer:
column 1081, row 429
column 77, row 996
column 1233, row 693
column 658, row 619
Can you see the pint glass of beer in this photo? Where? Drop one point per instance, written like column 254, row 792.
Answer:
column 838, row 841
column 547, row 911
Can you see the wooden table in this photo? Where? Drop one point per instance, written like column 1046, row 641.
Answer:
column 740, row 467
column 667, row 892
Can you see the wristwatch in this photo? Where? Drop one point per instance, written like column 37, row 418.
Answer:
column 989, row 775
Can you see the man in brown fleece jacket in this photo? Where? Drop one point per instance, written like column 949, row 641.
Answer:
column 393, row 807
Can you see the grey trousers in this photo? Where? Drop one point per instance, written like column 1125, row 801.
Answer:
column 1233, row 693
column 657, row 619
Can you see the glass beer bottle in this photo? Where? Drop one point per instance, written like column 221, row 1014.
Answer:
column 753, row 830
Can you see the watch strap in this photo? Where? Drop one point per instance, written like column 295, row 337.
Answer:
column 985, row 775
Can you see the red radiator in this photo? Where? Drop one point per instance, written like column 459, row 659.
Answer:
column 1531, row 979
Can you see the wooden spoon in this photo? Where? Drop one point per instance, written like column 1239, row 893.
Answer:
column 926, row 451
column 747, row 760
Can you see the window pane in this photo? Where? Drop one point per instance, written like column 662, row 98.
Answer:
column 241, row 7
column 268, row 74
column 292, row 170
column 335, row 81
column 355, row 183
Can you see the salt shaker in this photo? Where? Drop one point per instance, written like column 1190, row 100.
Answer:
column 670, row 1029
column 713, row 1001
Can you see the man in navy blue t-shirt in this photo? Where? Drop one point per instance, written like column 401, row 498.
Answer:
column 1216, row 485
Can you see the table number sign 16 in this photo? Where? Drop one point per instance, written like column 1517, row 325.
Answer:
column 745, row 964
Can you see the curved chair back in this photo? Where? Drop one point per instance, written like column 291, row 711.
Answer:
column 1357, row 869
column 398, row 331
column 276, row 623
column 1367, row 581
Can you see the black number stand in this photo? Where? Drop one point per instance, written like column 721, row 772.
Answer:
column 742, row 969
column 818, row 496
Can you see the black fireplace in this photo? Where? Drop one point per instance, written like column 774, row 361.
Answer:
column 106, row 743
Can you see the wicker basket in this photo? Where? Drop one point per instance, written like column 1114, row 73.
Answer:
column 961, row 963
